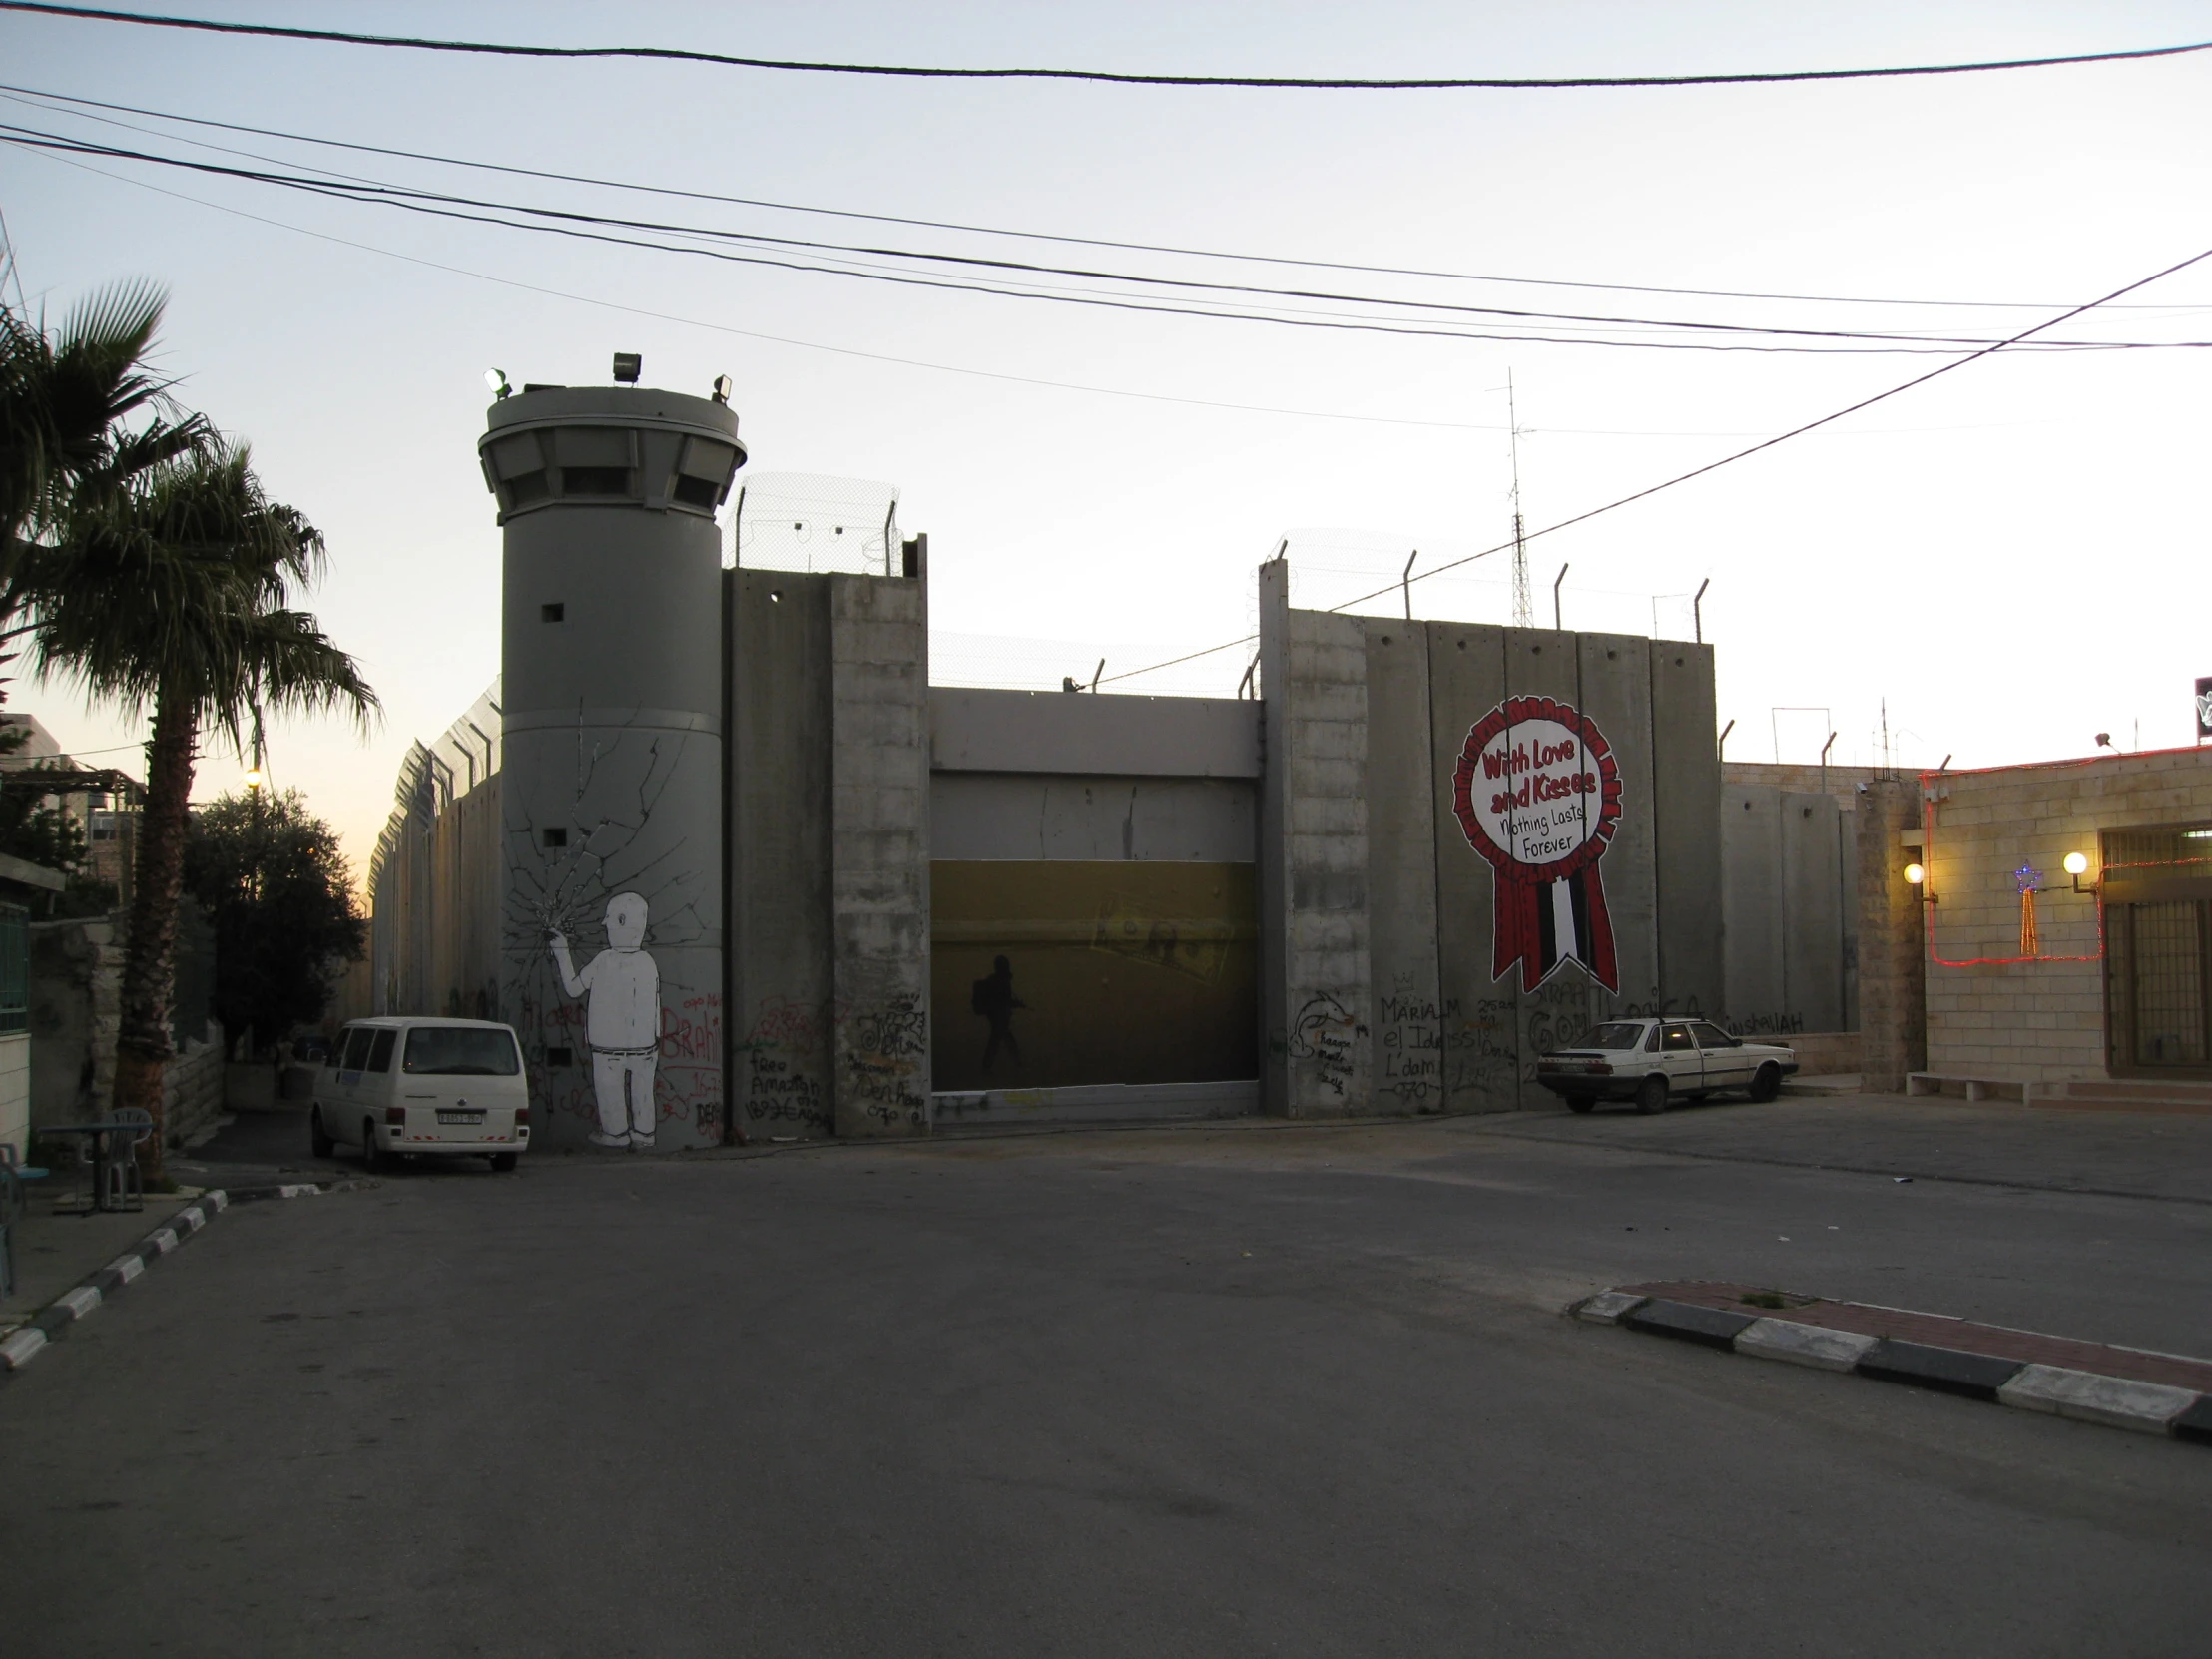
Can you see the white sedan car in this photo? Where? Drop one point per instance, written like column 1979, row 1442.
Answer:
column 1653, row 1061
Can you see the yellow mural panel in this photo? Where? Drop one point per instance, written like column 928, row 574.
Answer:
column 1047, row 973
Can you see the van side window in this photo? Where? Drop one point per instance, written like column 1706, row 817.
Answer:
column 379, row 1053
column 357, row 1048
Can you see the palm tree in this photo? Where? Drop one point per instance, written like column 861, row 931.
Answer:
column 172, row 594
column 64, row 397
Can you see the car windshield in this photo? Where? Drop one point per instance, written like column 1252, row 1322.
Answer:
column 460, row 1051
column 1618, row 1034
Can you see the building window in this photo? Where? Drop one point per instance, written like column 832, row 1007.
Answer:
column 15, row 969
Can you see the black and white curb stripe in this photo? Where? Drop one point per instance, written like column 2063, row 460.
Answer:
column 26, row 1342
column 2086, row 1397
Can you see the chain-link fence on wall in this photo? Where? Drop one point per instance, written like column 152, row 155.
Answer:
column 813, row 522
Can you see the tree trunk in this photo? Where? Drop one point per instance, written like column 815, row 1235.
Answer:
column 150, row 957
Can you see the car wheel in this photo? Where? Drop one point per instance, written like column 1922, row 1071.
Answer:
column 1580, row 1103
column 372, row 1157
column 1768, row 1083
column 1651, row 1096
column 317, row 1138
column 502, row 1162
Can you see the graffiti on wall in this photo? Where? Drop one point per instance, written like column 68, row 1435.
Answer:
column 784, row 1051
column 1538, row 794
column 1322, row 1035
column 883, row 1051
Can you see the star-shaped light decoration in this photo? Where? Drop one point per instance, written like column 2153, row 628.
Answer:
column 2027, row 879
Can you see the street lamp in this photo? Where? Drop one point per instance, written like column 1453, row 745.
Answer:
column 2077, row 866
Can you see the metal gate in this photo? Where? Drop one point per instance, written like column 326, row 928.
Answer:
column 2158, row 951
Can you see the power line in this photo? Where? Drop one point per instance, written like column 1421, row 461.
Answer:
column 677, row 54
column 1741, row 454
column 999, row 231
column 907, row 363
column 576, row 223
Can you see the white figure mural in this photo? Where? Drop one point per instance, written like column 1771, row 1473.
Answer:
column 622, row 1022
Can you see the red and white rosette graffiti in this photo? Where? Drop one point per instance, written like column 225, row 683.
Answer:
column 1539, row 794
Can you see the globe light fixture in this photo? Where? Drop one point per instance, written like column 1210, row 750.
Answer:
column 2077, row 863
column 1914, row 875
column 254, row 777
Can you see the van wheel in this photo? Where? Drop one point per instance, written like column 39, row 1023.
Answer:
column 1767, row 1084
column 502, row 1162
column 1651, row 1096
column 372, row 1157
column 317, row 1138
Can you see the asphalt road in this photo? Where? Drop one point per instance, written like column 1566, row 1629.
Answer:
column 1249, row 1390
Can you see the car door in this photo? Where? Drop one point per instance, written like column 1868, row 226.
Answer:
column 1679, row 1059
column 1725, row 1064
column 377, row 1077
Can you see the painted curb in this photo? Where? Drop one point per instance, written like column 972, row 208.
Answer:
column 32, row 1338
column 1804, row 1344
column 1950, row 1371
column 2146, row 1408
column 2052, row 1391
column 1714, row 1327
column 1607, row 1306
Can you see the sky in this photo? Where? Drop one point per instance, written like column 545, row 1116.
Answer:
column 2004, row 563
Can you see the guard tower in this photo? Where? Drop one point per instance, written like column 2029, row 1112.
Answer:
column 612, row 792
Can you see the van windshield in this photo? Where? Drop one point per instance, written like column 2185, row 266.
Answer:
column 458, row 1051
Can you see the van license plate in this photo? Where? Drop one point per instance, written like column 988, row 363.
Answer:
column 460, row 1117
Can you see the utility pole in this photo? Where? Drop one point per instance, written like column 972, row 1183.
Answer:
column 1524, row 603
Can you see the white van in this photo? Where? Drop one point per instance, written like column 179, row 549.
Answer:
column 452, row 1087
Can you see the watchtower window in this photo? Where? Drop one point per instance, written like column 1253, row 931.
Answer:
column 552, row 613
column 595, row 480
column 554, row 837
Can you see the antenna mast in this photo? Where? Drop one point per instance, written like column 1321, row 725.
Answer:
column 1524, row 603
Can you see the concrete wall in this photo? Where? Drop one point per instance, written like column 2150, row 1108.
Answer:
column 2040, row 1020
column 1316, row 1051
column 1840, row 782
column 1038, row 815
column 781, row 986
column 1892, row 963
column 829, row 852
column 1053, row 731
column 1790, row 904
column 1365, row 865
column 879, row 851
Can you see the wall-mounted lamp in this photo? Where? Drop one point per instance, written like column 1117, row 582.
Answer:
column 1918, row 875
column 2077, row 866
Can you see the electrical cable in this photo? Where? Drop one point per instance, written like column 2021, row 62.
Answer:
column 1728, row 460
column 993, row 231
column 566, row 223
column 418, row 43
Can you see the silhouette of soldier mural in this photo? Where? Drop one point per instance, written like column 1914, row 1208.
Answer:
column 994, row 998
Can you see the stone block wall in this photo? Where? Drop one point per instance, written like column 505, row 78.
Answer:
column 1989, row 1014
